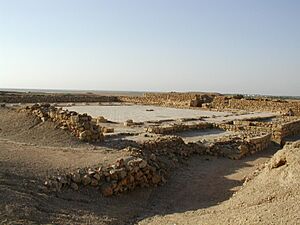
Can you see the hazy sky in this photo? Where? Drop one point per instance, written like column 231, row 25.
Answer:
column 247, row 46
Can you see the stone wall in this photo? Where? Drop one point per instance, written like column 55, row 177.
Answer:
column 259, row 143
column 281, row 128
column 243, row 127
column 285, row 130
column 124, row 175
column 175, row 128
column 237, row 147
column 148, row 165
column 269, row 105
column 172, row 99
column 80, row 125
column 172, row 147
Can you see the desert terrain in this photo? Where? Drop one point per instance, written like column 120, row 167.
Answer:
column 175, row 158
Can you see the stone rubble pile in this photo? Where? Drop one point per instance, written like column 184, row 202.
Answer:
column 124, row 175
column 80, row 125
column 238, row 146
column 173, row 147
column 280, row 128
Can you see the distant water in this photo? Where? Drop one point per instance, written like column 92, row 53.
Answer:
column 100, row 92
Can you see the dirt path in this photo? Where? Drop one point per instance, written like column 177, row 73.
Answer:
column 271, row 197
column 202, row 183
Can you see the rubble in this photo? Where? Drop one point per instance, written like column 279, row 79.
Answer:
column 80, row 125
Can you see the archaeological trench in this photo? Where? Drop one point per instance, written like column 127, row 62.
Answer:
column 154, row 148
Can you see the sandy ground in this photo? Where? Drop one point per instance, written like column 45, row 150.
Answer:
column 199, row 192
column 272, row 196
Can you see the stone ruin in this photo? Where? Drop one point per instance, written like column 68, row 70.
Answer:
column 124, row 175
column 279, row 129
column 178, row 127
column 238, row 146
column 216, row 101
column 173, row 99
column 149, row 163
column 290, row 108
column 80, row 125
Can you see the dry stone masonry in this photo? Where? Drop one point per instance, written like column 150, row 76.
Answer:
column 280, row 128
column 238, row 146
column 178, row 127
column 80, row 125
column 124, row 175
column 148, row 165
column 280, row 132
column 270, row 105
column 172, row 99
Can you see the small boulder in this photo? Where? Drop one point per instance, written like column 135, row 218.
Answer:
column 76, row 177
column 86, row 180
column 106, row 190
column 156, row 179
column 128, row 123
column 74, row 186
column 94, row 182
column 277, row 161
column 101, row 119
column 108, row 130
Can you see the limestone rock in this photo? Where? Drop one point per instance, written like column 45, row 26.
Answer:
column 74, row 186
column 97, row 176
column 128, row 123
column 106, row 190
column 94, row 182
column 277, row 161
column 86, row 180
column 156, row 179
column 101, row 119
column 108, row 130
column 76, row 177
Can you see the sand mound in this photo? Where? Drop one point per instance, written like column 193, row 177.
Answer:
column 270, row 196
column 23, row 127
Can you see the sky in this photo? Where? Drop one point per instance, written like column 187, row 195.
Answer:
column 227, row 46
